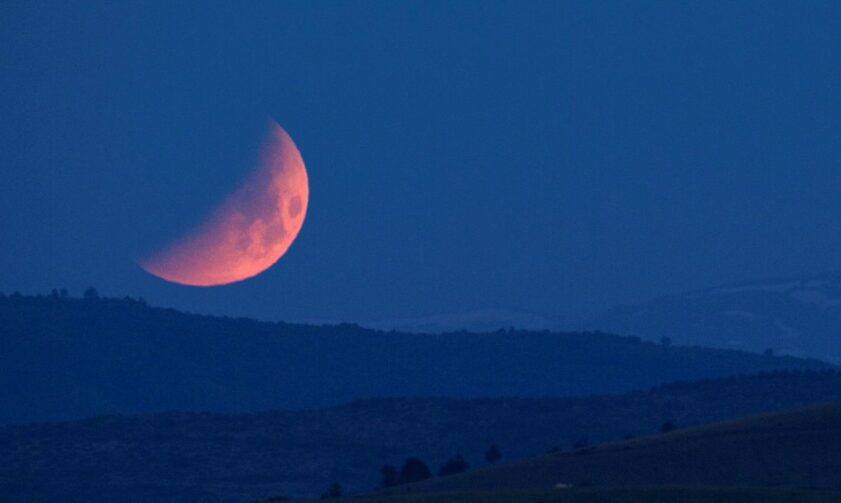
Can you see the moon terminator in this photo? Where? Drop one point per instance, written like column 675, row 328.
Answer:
column 251, row 230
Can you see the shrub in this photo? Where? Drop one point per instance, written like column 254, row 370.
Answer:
column 492, row 455
column 454, row 465
column 334, row 491
column 390, row 476
column 414, row 470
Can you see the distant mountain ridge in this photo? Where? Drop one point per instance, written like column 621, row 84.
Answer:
column 69, row 358
column 479, row 320
column 185, row 457
column 799, row 316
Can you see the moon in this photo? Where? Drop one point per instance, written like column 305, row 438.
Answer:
column 252, row 228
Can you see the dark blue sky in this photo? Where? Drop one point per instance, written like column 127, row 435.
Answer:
column 555, row 157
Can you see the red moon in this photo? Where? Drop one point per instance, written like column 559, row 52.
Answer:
column 250, row 230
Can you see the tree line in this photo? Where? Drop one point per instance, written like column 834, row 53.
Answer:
column 415, row 470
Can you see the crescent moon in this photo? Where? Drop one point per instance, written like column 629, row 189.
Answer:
column 251, row 230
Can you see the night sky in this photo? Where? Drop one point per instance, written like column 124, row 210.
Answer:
column 552, row 157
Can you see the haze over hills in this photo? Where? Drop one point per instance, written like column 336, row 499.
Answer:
column 64, row 358
column 796, row 448
column 180, row 456
column 800, row 316
column 795, row 316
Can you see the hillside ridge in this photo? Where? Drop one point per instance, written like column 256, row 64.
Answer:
column 793, row 448
column 121, row 356
column 298, row 453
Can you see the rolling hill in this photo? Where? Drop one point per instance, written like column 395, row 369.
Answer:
column 64, row 358
column 620, row 495
column 797, row 448
column 188, row 457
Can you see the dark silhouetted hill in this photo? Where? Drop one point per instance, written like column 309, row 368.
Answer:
column 66, row 358
column 796, row 448
column 800, row 317
column 182, row 457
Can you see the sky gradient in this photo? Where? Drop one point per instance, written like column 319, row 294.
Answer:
column 554, row 157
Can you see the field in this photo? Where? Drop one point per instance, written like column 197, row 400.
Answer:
column 797, row 448
column 616, row 495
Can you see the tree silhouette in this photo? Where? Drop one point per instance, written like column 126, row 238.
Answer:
column 667, row 427
column 91, row 294
column 492, row 455
column 334, row 491
column 414, row 470
column 454, row 465
column 390, row 476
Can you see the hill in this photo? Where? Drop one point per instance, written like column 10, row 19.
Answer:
column 63, row 358
column 796, row 448
column 483, row 320
column 623, row 495
column 187, row 457
column 800, row 316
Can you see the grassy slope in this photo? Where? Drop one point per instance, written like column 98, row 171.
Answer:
column 796, row 448
column 621, row 495
column 299, row 453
